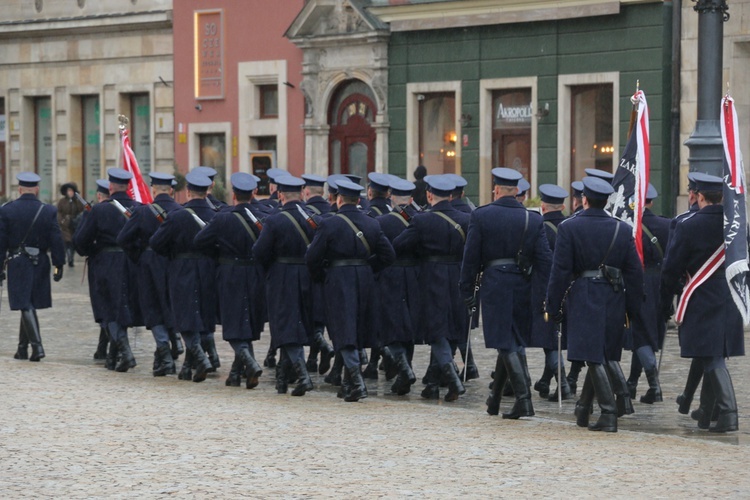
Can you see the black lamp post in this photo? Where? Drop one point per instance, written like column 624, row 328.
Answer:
column 706, row 150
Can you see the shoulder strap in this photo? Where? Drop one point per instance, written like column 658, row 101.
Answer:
column 359, row 234
column 376, row 209
column 453, row 223
column 299, row 228
column 192, row 212
column 246, row 226
column 654, row 240
column 313, row 208
column 523, row 236
column 611, row 244
column 400, row 218
column 551, row 226
column 36, row 216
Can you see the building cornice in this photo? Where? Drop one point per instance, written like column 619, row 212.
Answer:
column 465, row 13
column 105, row 23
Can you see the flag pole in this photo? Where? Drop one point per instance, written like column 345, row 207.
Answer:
column 634, row 111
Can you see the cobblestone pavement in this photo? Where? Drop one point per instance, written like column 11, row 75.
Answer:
column 70, row 428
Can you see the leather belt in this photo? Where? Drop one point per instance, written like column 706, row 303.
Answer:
column 110, row 249
column 189, row 255
column 442, row 258
column 405, row 262
column 594, row 273
column 347, row 262
column 500, row 262
column 291, row 260
column 236, row 261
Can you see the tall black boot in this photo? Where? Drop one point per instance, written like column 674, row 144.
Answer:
column 304, row 383
column 566, row 393
column 450, row 377
column 575, row 370
column 620, row 387
column 165, row 364
column 175, row 341
column 23, row 342
column 432, row 382
column 605, row 396
column 252, row 369
column 694, row 377
column 312, row 356
column 725, row 400
column 186, row 373
column 112, row 355
column 653, row 395
column 334, row 376
column 521, row 387
column 405, row 378
column 209, row 346
column 270, row 360
column 282, row 377
column 358, row 388
column 500, row 376
column 32, row 333
column 127, row 360
column 470, row 370
column 585, row 403
column 101, row 347
column 371, row 370
column 346, row 385
column 542, row 385
column 235, row 373
column 201, row 363
column 326, row 351
column 635, row 373
column 390, row 364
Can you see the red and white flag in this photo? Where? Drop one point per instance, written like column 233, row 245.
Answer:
column 137, row 189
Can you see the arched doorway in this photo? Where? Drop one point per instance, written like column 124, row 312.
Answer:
column 351, row 142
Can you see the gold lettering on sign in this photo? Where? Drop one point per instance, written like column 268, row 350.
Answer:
column 208, row 32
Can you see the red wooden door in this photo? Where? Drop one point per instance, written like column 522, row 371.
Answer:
column 352, row 137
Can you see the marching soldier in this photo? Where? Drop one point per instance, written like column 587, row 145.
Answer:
column 458, row 200
column 102, row 194
column 280, row 249
column 191, row 275
column 507, row 244
column 544, row 334
column 272, row 202
column 212, row 200
column 377, row 194
column 152, row 268
column 710, row 324
column 648, row 334
column 28, row 231
column 437, row 237
column 523, row 190
column 240, row 279
column 96, row 238
column 347, row 249
column 597, row 278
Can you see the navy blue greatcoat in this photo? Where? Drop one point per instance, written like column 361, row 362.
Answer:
column 461, row 205
column 495, row 232
column 280, row 249
column 712, row 325
column 544, row 333
column 192, row 275
column 318, row 205
column 651, row 329
column 378, row 207
column 398, row 287
column 153, row 295
column 28, row 285
column 440, row 248
column 114, row 274
column 240, row 279
column 348, row 288
column 595, row 312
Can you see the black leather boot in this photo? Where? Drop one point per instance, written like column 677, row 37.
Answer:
column 605, row 396
column 725, row 400
column 542, row 385
column 635, row 373
column 32, row 333
column 450, row 377
column 566, row 393
column 175, row 341
column 575, row 370
column 390, row 364
column 282, row 367
column 694, row 377
column 620, row 387
column 112, row 356
column 470, row 370
column 312, row 356
column 270, row 360
column 653, row 395
column 363, row 357
column 304, row 383
column 23, row 342
column 209, row 346
column 585, row 403
column 235, row 373
column 101, row 347
column 186, row 373
column 326, row 352
column 346, row 385
column 500, row 376
column 371, row 370
column 201, row 363
column 432, row 382
column 334, row 376
column 127, row 360
column 165, row 363
column 252, row 369
column 521, row 387
column 405, row 378
column 358, row 387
